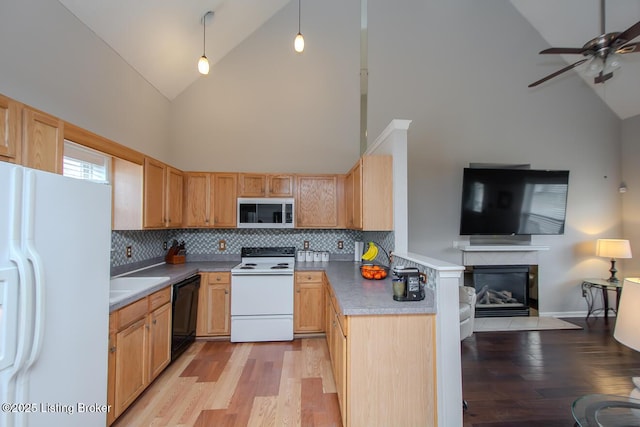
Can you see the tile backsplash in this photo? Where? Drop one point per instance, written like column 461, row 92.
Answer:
column 202, row 244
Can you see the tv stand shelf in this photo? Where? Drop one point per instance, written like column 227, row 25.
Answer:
column 503, row 248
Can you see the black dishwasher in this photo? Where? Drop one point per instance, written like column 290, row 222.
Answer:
column 184, row 315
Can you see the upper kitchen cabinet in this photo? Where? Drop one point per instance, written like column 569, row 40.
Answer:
column 265, row 185
column 225, row 204
column 10, row 129
column 369, row 194
column 318, row 201
column 210, row 199
column 127, row 195
column 42, row 141
column 163, row 192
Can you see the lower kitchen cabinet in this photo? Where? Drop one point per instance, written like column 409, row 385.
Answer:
column 308, row 302
column 139, row 348
column 214, row 305
column 391, row 357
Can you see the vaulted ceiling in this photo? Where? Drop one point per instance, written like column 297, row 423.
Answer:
column 162, row 39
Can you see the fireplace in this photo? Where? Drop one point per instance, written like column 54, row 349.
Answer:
column 503, row 290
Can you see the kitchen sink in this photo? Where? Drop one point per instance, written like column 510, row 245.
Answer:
column 123, row 287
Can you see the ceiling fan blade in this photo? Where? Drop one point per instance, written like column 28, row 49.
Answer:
column 601, row 78
column 560, row 50
column 629, row 48
column 557, row 73
column 627, row 35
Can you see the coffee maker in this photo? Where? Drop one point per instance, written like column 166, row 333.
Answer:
column 413, row 284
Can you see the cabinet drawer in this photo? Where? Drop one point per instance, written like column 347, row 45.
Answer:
column 221, row 278
column 158, row 299
column 309, row 276
column 131, row 313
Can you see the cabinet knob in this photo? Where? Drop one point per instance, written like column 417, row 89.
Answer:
column 226, row 292
column 155, row 321
column 112, row 349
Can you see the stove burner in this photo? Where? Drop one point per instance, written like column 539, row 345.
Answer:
column 280, row 266
column 247, row 267
column 286, row 264
column 251, row 264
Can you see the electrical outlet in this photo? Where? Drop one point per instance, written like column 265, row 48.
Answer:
column 164, row 245
column 306, row 244
column 129, row 251
column 222, row 245
column 340, row 244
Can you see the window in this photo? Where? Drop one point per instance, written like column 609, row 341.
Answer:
column 84, row 163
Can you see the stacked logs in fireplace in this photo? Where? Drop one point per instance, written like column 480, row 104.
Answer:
column 502, row 290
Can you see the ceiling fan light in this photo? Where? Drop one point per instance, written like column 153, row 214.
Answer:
column 594, row 66
column 613, row 63
column 298, row 43
column 203, row 65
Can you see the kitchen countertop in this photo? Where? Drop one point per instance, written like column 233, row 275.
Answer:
column 355, row 295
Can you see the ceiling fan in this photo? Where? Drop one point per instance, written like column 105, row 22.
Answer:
column 602, row 52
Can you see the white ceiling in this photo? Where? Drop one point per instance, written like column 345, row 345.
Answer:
column 162, row 39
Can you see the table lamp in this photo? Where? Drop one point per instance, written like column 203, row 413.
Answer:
column 628, row 320
column 613, row 248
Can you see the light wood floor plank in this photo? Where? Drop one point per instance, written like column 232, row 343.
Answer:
column 282, row 384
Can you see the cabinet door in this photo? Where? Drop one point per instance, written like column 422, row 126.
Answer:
column 131, row 365
column 198, row 198
column 214, row 305
column 348, row 199
column 111, row 370
column 317, row 201
column 357, row 197
column 225, row 203
column 10, row 121
column 340, row 365
column 252, row 185
column 280, row 185
column 127, row 195
column 159, row 340
column 154, row 194
column 308, row 302
column 175, row 188
column 42, row 142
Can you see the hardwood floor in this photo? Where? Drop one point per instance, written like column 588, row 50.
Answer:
column 218, row 383
column 531, row 378
column 509, row 379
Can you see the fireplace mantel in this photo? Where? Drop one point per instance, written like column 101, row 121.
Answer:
column 501, row 254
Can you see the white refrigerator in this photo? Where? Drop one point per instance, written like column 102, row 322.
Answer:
column 55, row 238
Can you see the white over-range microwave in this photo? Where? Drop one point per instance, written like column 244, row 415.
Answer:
column 265, row 212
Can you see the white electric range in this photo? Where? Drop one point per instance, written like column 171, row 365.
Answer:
column 262, row 295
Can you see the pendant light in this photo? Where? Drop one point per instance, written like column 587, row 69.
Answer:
column 203, row 62
column 298, row 42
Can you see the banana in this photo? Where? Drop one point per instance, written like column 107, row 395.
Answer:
column 371, row 253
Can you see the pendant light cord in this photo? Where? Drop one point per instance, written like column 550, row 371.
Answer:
column 204, row 34
column 299, row 16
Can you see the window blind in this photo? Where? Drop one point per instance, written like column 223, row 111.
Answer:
column 85, row 163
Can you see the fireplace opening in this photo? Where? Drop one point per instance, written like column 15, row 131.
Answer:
column 503, row 290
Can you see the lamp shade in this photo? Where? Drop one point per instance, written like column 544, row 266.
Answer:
column 628, row 317
column 613, row 248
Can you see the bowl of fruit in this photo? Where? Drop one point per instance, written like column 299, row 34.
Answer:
column 374, row 271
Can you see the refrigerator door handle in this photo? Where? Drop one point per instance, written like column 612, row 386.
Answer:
column 36, row 264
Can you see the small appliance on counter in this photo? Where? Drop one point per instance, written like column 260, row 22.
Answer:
column 177, row 254
column 408, row 284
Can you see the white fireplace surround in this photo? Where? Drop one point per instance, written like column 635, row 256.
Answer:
column 501, row 254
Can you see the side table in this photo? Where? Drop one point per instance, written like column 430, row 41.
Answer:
column 588, row 285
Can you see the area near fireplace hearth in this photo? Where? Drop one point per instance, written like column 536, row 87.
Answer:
column 505, row 278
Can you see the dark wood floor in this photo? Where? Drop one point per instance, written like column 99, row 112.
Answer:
column 531, row 378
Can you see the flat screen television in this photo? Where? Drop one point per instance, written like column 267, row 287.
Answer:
column 513, row 202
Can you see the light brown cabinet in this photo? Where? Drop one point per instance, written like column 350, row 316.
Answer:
column 265, row 185
column 214, row 305
column 369, row 194
column 357, row 368
column 42, row 141
column 127, row 193
column 317, row 201
column 210, row 199
column 308, row 302
column 163, row 194
column 10, row 129
column 139, row 348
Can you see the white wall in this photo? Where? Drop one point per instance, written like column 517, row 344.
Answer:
column 459, row 70
column 53, row 62
column 631, row 199
column 265, row 109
